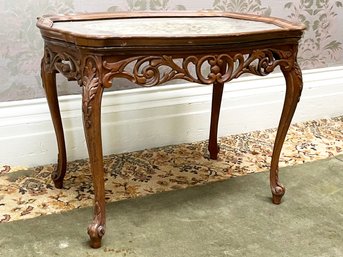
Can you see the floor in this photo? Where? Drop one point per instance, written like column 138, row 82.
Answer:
column 234, row 217
column 28, row 192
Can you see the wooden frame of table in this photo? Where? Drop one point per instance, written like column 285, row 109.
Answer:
column 150, row 59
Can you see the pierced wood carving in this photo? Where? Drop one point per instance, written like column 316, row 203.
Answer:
column 155, row 70
column 64, row 63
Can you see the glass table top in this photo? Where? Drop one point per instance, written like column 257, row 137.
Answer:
column 163, row 27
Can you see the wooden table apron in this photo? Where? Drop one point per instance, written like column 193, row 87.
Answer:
column 94, row 63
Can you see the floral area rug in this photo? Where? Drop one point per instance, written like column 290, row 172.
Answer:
column 29, row 192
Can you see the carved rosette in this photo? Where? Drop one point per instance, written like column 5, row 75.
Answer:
column 155, row 70
column 90, row 86
column 64, row 63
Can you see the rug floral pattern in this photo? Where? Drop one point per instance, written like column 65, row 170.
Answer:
column 27, row 193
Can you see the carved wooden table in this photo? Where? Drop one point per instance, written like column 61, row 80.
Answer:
column 152, row 48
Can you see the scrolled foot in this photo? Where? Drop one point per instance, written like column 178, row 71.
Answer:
column 95, row 232
column 278, row 192
column 57, row 182
column 214, row 152
column 58, row 174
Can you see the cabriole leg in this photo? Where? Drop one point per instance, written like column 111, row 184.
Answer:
column 91, row 108
column 294, row 86
column 213, row 146
column 49, row 84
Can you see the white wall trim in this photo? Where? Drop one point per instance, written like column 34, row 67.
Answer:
column 151, row 117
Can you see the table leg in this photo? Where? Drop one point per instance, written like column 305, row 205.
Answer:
column 49, row 84
column 91, row 108
column 294, row 86
column 217, row 94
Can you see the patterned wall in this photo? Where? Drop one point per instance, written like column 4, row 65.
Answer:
column 21, row 44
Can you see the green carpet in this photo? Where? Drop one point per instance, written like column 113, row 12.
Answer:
column 230, row 218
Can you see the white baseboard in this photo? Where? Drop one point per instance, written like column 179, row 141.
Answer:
column 151, row 117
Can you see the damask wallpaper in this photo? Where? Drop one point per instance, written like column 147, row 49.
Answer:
column 21, row 45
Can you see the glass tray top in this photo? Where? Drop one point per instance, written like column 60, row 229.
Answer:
column 164, row 27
